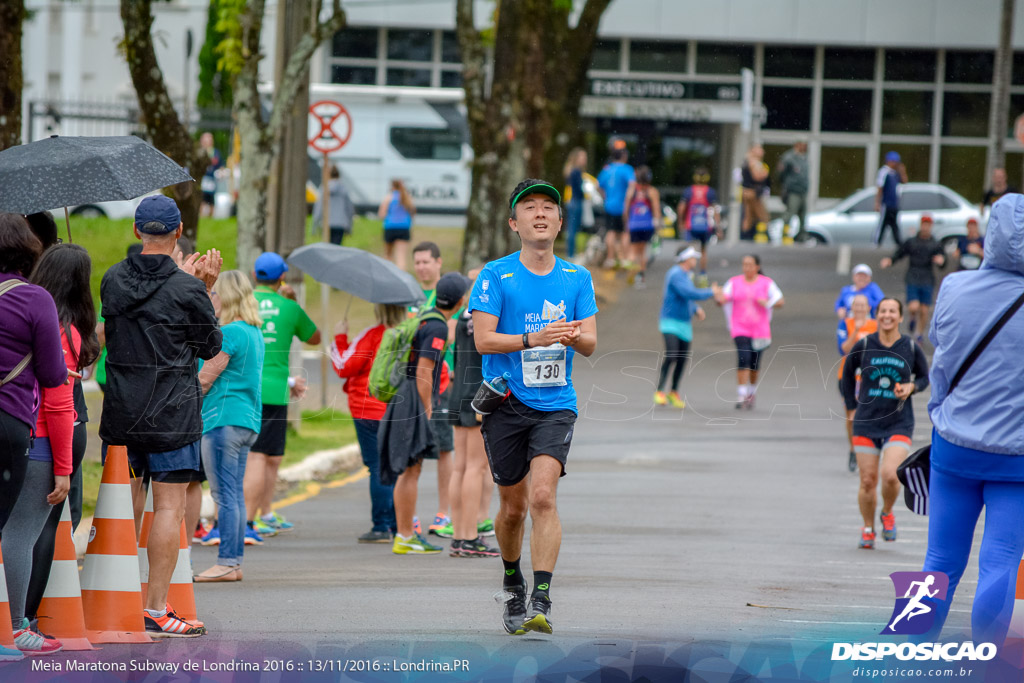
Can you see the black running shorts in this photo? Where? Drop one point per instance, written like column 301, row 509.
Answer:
column 273, row 431
column 515, row 434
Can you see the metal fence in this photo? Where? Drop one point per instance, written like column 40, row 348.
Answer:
column 109, row 117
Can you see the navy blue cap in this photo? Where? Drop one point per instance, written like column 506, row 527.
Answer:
column 157, row 215
column 270, row 267
column 450, row 288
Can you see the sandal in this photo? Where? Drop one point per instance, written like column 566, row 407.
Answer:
column 232, row 574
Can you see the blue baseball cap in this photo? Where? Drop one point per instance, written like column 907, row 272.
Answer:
column 157, row 215
column 270, row 267
column 892, row 156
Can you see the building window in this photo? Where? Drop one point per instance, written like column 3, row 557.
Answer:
column 717, row 58
column 410, row 45
column 451, row 79
column 436, row 144
column 788, row 108
column 355, row 42
column 915, row 157
column 842, row 171
column 657, row 55
column 782, row 61
column 1016, row 109
column 907, row 112
column 419, row 78
column 965, row 114
column 969, row 67
column 848, row 64
column 1014, row 165
column 450, row 53
column 606, row 55
column 962, row 169
column 910, row 65
column 1018, row 69
column 846, row 111
column 354, row 75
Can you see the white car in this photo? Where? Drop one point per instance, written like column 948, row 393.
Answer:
column 854, row 219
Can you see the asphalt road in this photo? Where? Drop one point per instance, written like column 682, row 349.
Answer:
column 709, row 527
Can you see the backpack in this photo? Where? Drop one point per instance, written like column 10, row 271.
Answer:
column 389, row 366
column 640, row 212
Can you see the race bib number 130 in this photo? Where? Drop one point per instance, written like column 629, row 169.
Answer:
column 544, row 366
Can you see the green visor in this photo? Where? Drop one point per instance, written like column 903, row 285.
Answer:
column 538, row 188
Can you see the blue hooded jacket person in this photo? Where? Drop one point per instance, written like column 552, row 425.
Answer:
column 977, row 457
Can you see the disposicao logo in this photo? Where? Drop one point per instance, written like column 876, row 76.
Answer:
column 917, row 595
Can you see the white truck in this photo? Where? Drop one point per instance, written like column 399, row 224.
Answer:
column 416, row 134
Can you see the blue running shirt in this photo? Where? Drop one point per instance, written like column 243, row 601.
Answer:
column 525, row 302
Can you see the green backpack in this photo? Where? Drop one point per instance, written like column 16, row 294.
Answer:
column 388, row 369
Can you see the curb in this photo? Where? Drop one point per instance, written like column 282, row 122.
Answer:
column 315, row 466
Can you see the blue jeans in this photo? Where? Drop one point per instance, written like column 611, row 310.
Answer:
column 574, row 216
column 955, row 504
column 382, row 499
column 225, row 450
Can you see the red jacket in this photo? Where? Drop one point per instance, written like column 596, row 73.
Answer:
column 57, row 411
column 352, row 361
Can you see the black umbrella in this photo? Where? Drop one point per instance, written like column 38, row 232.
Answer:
column 358, row 272
column 66, row 171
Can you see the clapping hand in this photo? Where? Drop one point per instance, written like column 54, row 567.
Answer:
column 341, row 328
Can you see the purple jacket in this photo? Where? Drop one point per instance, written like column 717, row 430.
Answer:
column 28, row 322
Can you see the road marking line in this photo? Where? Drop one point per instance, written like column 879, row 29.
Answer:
column 313, row 489
column 843, row 623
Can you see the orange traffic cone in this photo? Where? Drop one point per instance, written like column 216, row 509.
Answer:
column 60, row 610
column 179, row 594
column 1014, row 647
column 111, row 595
column 6, row 635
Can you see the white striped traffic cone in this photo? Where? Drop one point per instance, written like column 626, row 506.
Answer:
column 111, row 595
column 60, row 610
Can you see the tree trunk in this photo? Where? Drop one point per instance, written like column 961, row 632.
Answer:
column 1000, row 113
column 12, row 16
column 261, row 140
column 162, row 123
column 524, row 123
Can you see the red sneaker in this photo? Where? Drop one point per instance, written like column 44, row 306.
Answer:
column 867, row 538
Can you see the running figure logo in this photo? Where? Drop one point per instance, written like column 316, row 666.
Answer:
column 916, row 595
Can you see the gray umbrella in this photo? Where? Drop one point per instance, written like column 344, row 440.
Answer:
column 66, row 171
column 358, row 272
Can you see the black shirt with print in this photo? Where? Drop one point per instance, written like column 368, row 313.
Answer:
column 879, row 413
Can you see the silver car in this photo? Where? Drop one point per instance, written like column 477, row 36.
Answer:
column 854, row 220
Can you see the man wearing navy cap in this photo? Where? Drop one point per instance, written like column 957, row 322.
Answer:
column 887, row 201
column 283, row 319
column 158, row 321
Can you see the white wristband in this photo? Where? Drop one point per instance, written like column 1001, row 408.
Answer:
column 291, row 382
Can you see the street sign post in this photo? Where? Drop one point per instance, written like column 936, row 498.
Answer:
column 333, row 126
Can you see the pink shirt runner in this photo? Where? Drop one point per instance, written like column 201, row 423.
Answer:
column 748, row 318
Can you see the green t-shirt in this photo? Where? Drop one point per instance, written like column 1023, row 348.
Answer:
column 234, row 398
column 282, row 320
column 101, row 363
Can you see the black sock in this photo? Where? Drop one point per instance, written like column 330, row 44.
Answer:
column 541, row 585
column 513, row 574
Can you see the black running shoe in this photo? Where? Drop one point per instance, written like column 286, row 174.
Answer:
column 514, row 611
column 539, row 616
column 477, row 548
column 456, row 548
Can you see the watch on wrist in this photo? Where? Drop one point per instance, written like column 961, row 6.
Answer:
column 526, row 340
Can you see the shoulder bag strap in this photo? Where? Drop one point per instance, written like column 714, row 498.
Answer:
column 23, row 363
column 985, row 342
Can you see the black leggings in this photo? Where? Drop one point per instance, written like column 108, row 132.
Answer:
column 677, row 351
column 15, row 439
column 42, row 554
column 747, row 357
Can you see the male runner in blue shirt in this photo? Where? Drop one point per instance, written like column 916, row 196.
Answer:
column 532, row 311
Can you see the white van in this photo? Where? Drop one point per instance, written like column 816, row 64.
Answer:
column 416, row 134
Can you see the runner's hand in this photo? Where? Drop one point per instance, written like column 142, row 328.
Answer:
column 886, row 262
column 574, row 336
column 552, row 332
column 61, row 486
column 904, row 390
column 699, row 314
